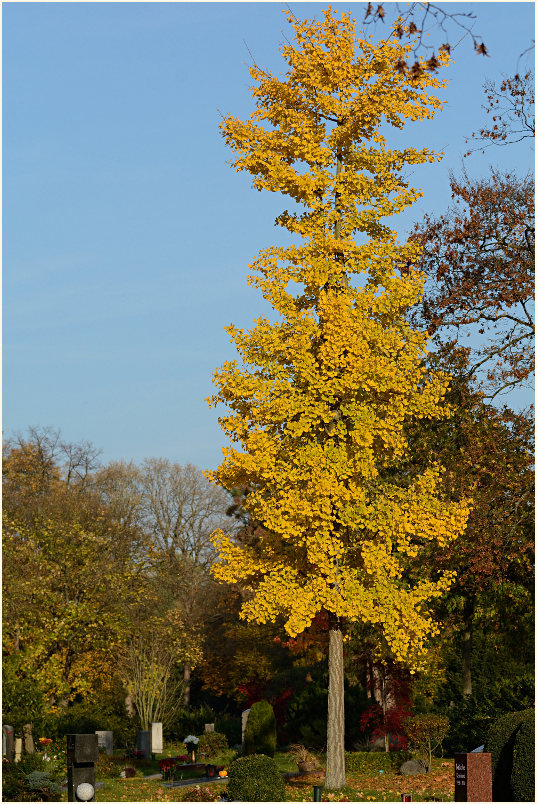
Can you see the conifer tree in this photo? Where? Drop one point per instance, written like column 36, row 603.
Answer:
column 316, row 406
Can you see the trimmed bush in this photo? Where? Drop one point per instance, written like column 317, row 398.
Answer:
column 500, row 743
column 426, row 733
column 523, row 773
column 374, row 761
column 255, row 778
column 260, row 732
column 212, row 743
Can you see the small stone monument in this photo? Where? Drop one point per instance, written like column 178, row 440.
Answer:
column 8, row 742
column 244, row 721
column 209, row 727
column 143, row 743
column 105, row 740
column 28, row 738
column 18, row 749
column 157, row 742
column 473, row 777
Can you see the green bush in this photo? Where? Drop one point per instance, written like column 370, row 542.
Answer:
column 374, row 761
column 500, row 743
column 29, row 780
column 260, row 732
column 255, row 778
column 523, row 774
column 212, row 743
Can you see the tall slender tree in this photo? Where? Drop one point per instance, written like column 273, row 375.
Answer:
column 317, row 408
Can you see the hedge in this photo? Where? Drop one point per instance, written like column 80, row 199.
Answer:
column 523, row 773
column 500, row 743
column 374, row 761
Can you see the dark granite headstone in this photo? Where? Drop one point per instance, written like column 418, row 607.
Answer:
column 473, row 777
column 82, row 754
column 143, row 743
column 8, row 742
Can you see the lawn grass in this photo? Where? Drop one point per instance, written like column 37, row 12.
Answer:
column 438, row 785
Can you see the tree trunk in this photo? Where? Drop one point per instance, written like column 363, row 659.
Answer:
column 129, row 705
column 186, row 688
column 335, row 753
column 469, row 610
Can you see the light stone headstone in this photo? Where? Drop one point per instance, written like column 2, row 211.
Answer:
column 143, row 743
column 244, row 721
column 18, row 749
column 209, row 727
column 105, row 740
column 157, row 742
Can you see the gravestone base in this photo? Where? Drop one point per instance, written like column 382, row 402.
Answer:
column 473, row 777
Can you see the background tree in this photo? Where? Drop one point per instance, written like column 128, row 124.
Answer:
column 319, row 402
column 151, row 664
column 511, row 106
column 480, row 266
column 68, row 574
column 176, row 509
column 491, row 452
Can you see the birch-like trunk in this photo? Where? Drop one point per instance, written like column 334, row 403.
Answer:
column 335, row 753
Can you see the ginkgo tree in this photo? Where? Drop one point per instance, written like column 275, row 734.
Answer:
column 317, row 404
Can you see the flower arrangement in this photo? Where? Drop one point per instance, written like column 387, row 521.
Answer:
column 191, row 743
column 166, row 765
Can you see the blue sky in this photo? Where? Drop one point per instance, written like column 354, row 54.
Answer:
column 127, row 237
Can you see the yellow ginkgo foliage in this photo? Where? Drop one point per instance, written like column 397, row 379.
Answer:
column 318, row 402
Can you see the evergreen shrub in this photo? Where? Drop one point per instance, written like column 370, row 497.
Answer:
column 523, row 773
column 29, row 780
column 374, row 761
column 212, row 743
column 500, row 743
column 255, row 778
column 260, row 732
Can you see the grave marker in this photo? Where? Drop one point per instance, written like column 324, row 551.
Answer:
column 157, row 742
column 8, row 742
column 244, row 721
column 105, row 739
column 473, row 777
column 82, row 754
column 143, row 743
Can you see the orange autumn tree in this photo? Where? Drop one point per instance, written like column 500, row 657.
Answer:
column 316, row 407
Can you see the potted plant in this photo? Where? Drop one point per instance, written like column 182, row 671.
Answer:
column 306, row 761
